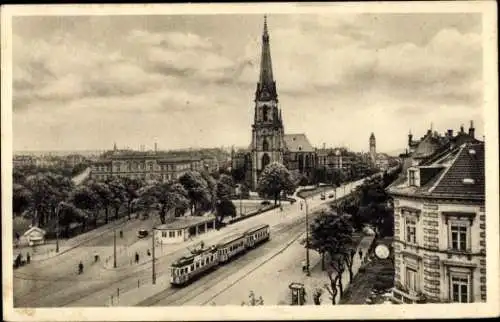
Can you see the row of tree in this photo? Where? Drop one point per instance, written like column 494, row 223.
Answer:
column 45, row 195
column 332, row 231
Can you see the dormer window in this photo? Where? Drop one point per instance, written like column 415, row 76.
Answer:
column 412, row 178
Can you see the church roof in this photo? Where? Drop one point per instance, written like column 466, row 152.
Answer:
column 298, row 143
column 266, row 88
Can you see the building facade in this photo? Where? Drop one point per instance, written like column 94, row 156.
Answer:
column 144, row 165
column 439, row 222
column 269, row 142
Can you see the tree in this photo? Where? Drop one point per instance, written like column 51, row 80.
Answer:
column 166, row 196
column 44, row 191
column 131, row 188
column 20, row 198
column 104, row 194
column 118, row 194
column 85, row 198
column 225, row 207
column 331, row 234
column 211, row 186
column 197, row 190
column 69, row 214
column 225, row 187
column 273, row 180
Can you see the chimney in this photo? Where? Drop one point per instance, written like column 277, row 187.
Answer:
column 450, row 133
column 471, row 129
column 462, row 128
column 156, row 147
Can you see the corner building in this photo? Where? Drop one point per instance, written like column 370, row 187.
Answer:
column 439, row 223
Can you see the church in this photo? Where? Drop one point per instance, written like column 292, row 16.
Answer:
column 269, row 142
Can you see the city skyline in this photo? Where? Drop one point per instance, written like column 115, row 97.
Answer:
column 139, row 79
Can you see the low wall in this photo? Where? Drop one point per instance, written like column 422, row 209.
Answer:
column 254, row 213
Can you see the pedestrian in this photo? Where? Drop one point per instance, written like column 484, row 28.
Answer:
column 28, row 258
column 304, row 266
column 80, row 268
column 136, row 257
column 149, row 253
column 121, row 233
column 281, row 207
column 301, row 205
column 360, row 254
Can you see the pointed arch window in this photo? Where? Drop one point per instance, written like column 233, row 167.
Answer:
column 265, row 113
column 265, row 145
column 265, row 160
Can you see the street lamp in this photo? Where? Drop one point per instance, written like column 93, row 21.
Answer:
column 58, row 209
column 114, row 247
column 153, row 268
column 308, row 273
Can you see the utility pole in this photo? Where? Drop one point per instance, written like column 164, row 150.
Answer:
column 308, row 273
column 153, row 268
column 57, row 227
column 114, row 247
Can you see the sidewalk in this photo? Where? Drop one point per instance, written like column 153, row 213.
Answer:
column 48, row 250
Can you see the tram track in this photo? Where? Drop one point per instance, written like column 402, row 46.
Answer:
column 125, row 281
column 173, row 295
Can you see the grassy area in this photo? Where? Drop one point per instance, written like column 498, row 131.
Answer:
column 377, row 274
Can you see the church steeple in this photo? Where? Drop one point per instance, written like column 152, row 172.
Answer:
column 266, row 87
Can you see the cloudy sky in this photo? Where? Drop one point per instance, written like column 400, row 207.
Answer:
column 188, row 81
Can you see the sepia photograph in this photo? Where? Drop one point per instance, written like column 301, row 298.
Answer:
column 181, row 159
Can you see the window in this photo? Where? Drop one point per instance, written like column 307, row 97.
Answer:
column 192, row 267
column 411, row 279
column 171, row 234
column 163, row 234
column 411, row 230
column 179, row 233
column 458, row 236
column 411, row 177
column 460, row 289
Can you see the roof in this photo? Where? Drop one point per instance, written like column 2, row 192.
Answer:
column 465, row 166
column 297, row 143
column 251, row 230
column 427, row 147
column 189, row 259
column 185, row 222
column 445, row 176
column 34, row 229
column 228, row 239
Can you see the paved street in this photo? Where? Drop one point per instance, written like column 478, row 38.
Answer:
column 54, row 282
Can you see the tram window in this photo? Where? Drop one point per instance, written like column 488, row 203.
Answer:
column 192, row 267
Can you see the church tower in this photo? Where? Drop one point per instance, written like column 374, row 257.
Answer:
column 373, row 149
column 267, row 128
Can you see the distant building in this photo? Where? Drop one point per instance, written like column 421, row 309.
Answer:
column 373, row 149
column 337, row 158
column 143, row 165
column 269, row 142
column 23, row 160
column 439, row 221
